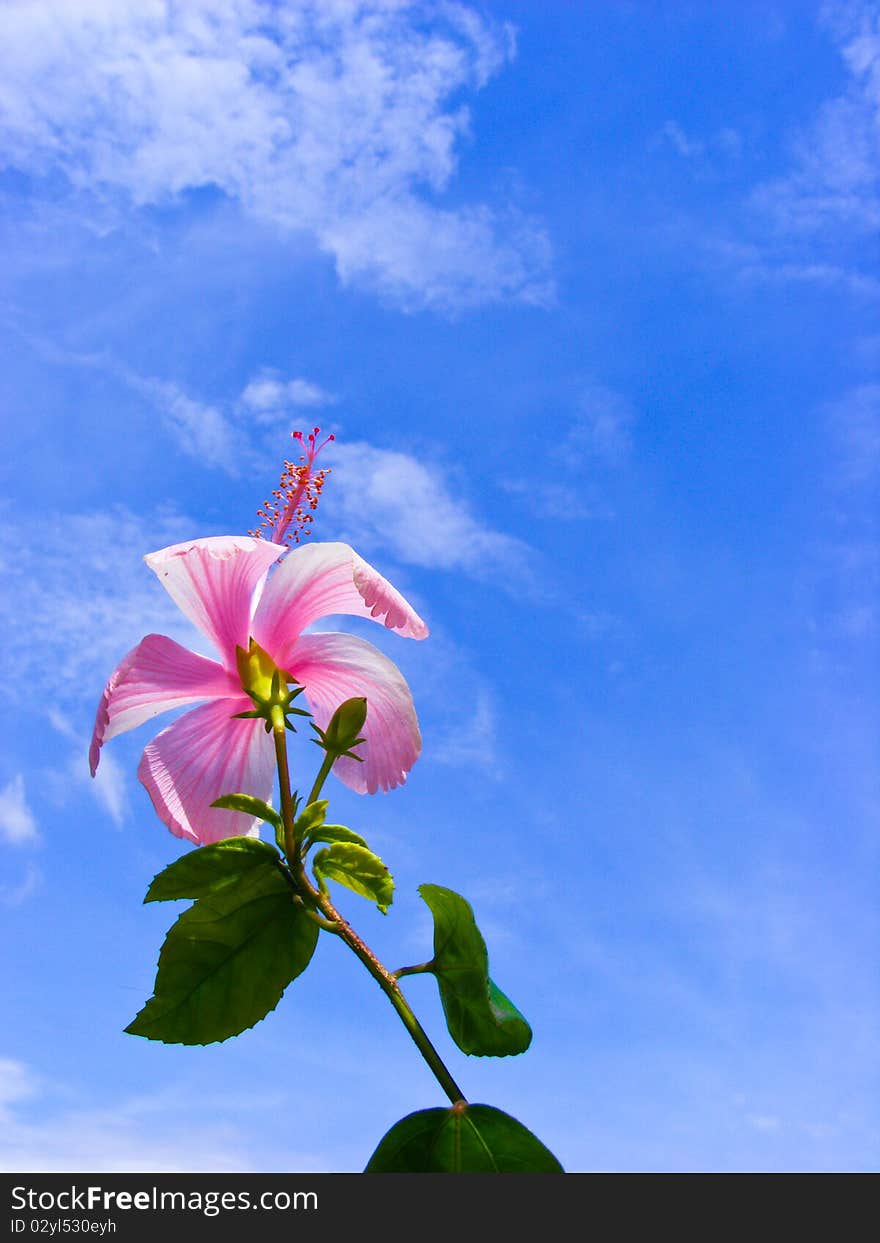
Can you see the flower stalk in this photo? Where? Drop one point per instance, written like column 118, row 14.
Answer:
column 333, row 921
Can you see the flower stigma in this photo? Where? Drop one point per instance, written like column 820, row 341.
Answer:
column 290, row 511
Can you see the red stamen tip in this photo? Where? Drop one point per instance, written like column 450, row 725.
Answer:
column 286, row 517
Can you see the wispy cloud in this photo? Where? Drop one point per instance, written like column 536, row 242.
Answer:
column 231, row 436
column 108, row 786
column 76, row 600
column 835, row 177
column 473, row 740
column 18, row 824
column 269, row 397
column 724, row 142
column 386, row 499
column 227, row 435
column 202, row 431
column 42, row 1130
column 602, row 428
column 809, row 223
column 778, row 262
column 593, row 446
column 341, row 121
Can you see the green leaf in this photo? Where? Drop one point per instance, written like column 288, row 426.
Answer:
column 337, row 833
column 250, row 806
column 211, row 868
column 310, row 827
column 481, row 1019
column 227, row 960
column 466, row 1139
column 311, row 818
column 358, row 869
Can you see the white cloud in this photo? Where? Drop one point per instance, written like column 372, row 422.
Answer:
column 593, row 443
column 202, row 431
column 218, row 437
column 18, row 825
column 78, row 598
column 834, row 181
column 725, row 142
column 768, row 264
column 603, row 428
column 268, row 398
column 471, row 739
column 108, row 786
column 553, row 499
column 672, row 134
column 163, row 1132
column 385, row 499
column 338, row 119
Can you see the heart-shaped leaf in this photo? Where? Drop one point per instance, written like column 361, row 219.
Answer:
column 481, row 1019
column 227, row 960
column 466, row 1139
column 211, row 868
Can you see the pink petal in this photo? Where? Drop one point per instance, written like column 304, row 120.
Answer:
column 156, row 675
column 336, row 667
column 317, row 580
column 204, row 754
column 214, row 582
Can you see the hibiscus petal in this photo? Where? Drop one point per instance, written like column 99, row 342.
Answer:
column 317, row 580
column 336, row 667
column 155, row 676
column 204, row 754
column 214, row 582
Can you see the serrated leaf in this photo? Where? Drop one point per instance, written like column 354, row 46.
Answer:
column 211, row 868
column 358, row 869
column 311, row 818
column 481, row 1019
column 250, row 806
column 337, row 833
column 466, row 1139
column 227, row 960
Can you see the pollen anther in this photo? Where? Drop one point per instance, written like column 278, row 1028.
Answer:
column 288, row 516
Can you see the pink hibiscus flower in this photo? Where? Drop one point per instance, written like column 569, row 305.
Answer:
column 223, row 584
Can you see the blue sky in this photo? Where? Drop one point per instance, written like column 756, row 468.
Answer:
column 589, row 295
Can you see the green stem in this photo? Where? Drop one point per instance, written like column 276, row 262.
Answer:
column 419, row 969
column 388, row 983
column 287, row 808
column 343, row 929
column 323, row 774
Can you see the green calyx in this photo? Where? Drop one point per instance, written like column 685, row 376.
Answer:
column 268, row 687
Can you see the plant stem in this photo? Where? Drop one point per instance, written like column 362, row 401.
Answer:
column 418, row 969
column 323, row 774
column 388, row 983
column 386, row 980
column 287, row 813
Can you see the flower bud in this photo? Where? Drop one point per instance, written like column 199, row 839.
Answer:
column 343, row 731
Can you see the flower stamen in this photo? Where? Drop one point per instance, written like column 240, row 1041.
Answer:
column 288, row 515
